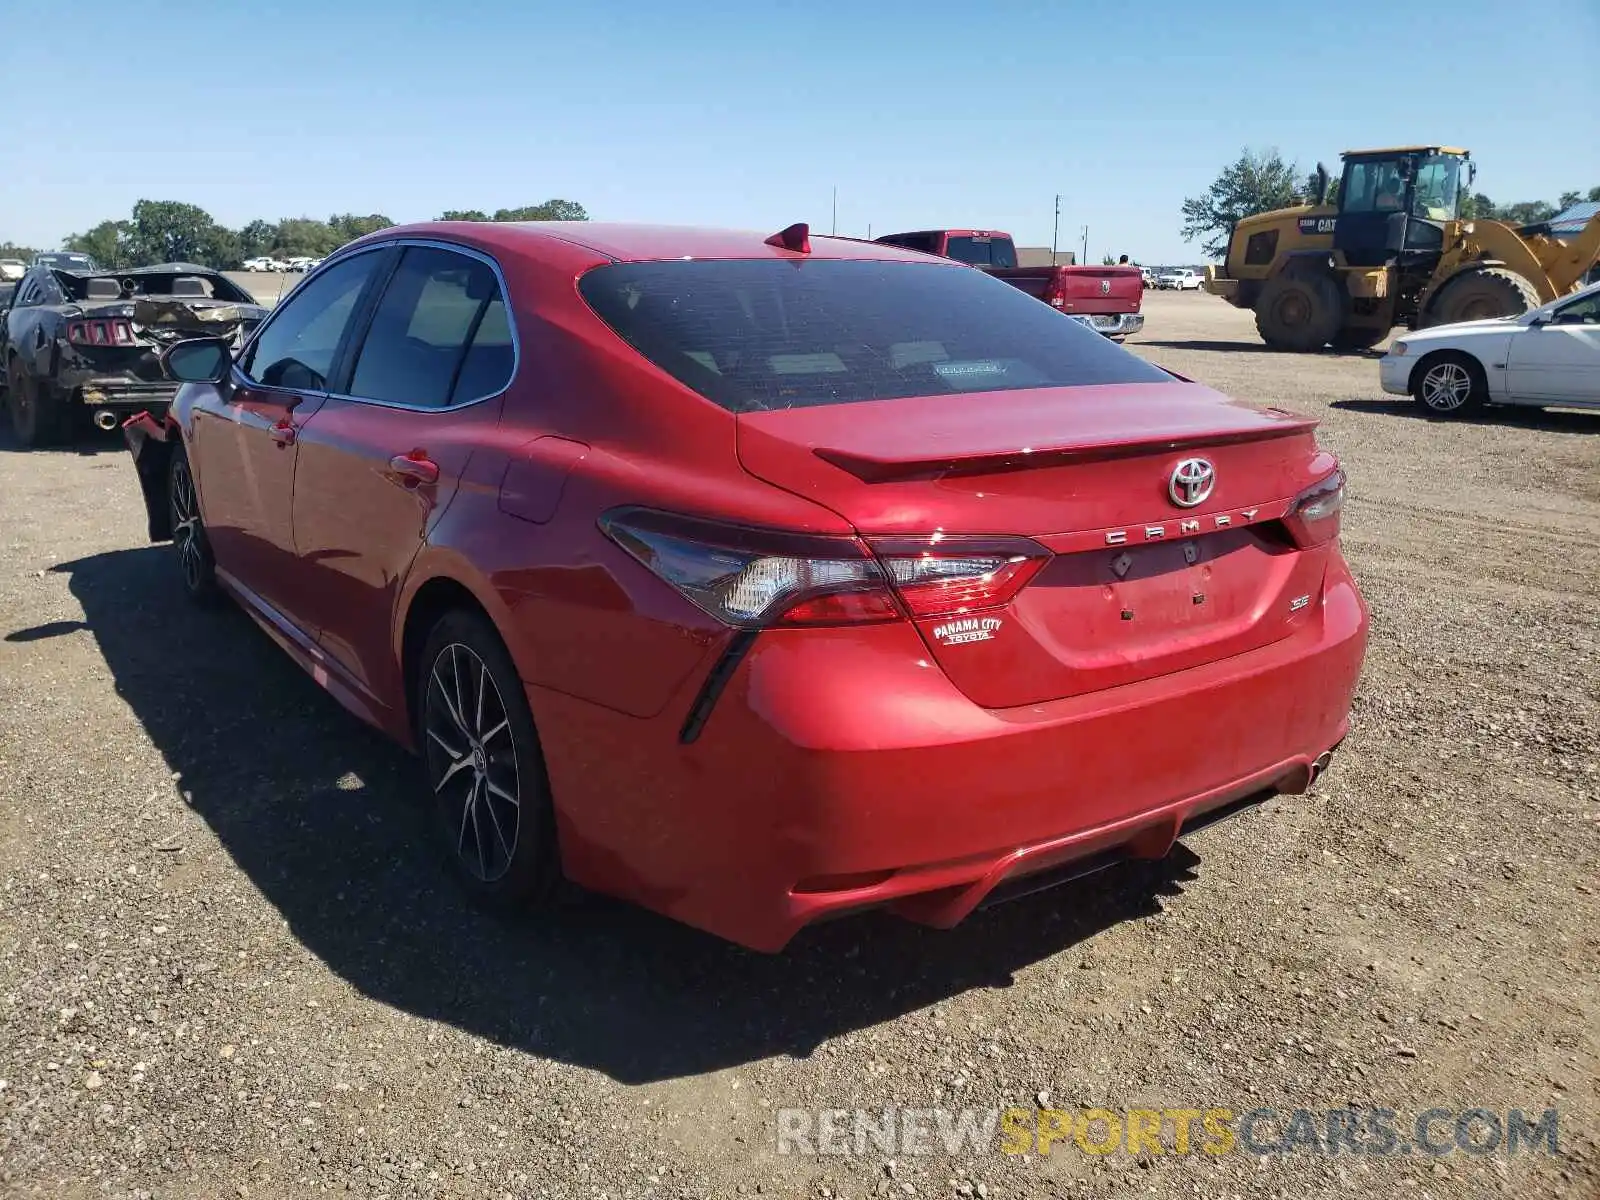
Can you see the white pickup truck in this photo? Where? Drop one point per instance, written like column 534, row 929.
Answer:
column 1184, row 281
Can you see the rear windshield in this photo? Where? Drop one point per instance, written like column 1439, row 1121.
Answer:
column 767, row 334
column 982, row 251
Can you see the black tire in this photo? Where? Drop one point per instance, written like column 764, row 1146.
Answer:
column 38, row 419
column 1299, row 312
column 1358, row 338
column 190, row 545
column 1479, row 294
column 478, row 745
column 1449, row 383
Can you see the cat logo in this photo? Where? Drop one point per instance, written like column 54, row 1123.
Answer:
column 1313, row 226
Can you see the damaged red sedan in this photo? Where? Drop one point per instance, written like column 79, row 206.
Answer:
column 760, row 580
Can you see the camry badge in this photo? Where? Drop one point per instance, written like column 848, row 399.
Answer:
column 1191, row 482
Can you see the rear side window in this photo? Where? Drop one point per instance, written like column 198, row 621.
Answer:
column 764, row 334
column 440, row 335
column 982, row 251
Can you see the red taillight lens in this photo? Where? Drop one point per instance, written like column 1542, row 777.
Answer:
column 100, row 333
column 754, row 579
column 942, row 576
column 1314, row 516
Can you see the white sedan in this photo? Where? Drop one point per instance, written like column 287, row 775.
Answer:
column 1548, row 356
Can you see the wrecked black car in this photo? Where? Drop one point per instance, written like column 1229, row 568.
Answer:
column 83, row 346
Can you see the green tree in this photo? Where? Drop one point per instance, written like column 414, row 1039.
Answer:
column 305, row 237
column 550, row 210
column 1257, row 182
column 12, row 250
column 347, row 227
column 1530, row 212
column 256, row 239
column 463, row 214
column 169, row 231
column 107, row 243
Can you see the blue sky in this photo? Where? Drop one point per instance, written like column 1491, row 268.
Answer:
column 929, row 114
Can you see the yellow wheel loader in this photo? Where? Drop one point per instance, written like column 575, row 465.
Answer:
column 1394, row 250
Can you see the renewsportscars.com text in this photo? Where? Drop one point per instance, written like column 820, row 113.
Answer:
column 1376, row 1132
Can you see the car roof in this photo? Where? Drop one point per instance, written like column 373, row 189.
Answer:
column 625, row 242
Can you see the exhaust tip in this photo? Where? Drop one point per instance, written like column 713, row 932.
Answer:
column 1319, row 766
column 105, row 419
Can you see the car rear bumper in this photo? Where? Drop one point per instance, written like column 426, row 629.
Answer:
column 121, row 393
column 840, row 771
column 1111, row 324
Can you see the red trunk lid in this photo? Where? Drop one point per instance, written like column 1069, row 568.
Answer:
column 1137, row 585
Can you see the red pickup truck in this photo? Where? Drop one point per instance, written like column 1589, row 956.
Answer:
column 1106, row 299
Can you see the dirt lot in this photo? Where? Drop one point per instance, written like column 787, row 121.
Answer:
column 231, row 966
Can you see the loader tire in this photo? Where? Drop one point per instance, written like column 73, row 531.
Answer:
column 1479, row 294
column 1300, row 312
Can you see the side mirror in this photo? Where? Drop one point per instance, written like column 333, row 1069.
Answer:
column 198, row 360
column 1540, row 320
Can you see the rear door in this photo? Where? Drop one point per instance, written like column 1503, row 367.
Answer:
column 1559, row 361
column 389, row 447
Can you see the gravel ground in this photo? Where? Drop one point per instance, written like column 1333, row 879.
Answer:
column 230, row 966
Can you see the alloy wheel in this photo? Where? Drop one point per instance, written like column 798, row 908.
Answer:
column 472, row 760
column 186, row 526
column 1446, row 387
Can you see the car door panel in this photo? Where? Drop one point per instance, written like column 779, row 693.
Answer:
column 246, row 434
column 1556, row 363
column 419, row 391
column 245, row 449
column 360, row 518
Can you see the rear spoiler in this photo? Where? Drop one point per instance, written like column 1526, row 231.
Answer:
column 886, row 469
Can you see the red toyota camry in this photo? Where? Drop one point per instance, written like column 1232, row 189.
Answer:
column 763, row 579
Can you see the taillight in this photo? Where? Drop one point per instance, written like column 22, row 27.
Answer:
column 1314, row 516
column 113, row 332
column 944, row 575
column 756, row 579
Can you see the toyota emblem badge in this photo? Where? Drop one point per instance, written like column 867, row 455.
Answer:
column 1191, row 482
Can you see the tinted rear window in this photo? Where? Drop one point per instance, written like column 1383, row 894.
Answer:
column 982, row 251
column 765, row 334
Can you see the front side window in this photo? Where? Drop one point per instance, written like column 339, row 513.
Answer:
column 297, row 347
column 440, row 335
column 1373, row 185
column 1580, row 312
column 753, row 335
column 1436, row 195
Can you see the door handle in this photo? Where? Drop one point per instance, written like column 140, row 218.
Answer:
column 412, row 469
column 283, row 432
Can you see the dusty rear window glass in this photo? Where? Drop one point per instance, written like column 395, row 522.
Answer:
column 982, row 251
column 766, row 334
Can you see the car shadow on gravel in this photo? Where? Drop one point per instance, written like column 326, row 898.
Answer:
column 1551, row 420
column 1246, row 348
column 327, row 819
